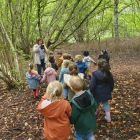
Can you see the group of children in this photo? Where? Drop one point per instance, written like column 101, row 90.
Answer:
column 70, row 100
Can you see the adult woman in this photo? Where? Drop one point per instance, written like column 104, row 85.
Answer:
column 40, row 55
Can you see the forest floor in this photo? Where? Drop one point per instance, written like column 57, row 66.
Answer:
column 19, row 119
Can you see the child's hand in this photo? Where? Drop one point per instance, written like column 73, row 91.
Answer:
column 46, row 95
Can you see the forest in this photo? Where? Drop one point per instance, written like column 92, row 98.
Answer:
column 69, row 26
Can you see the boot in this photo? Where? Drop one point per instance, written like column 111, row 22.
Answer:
column 108, row 116
column 37, row 93
column 34, row 93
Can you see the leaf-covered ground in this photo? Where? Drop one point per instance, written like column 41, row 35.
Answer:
column 19, row 119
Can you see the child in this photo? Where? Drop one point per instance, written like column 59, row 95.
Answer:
column 66, row 56
column 80, row 64
column 104, row 55
column 49, row 74
column 33, row 80
column 56, row 111
column 73, row 69
column 73, row 72
column 101, row 86
column 52, row 61
column 59, row 59
column 69, row 57
column 83, row 110
column 64, row 70
column 87, row 59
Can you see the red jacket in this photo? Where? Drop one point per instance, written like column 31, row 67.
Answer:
column 56, row 122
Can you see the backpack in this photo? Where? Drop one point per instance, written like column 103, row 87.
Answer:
column 86, row 120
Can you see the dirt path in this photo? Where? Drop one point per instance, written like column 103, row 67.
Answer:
column 20, row 121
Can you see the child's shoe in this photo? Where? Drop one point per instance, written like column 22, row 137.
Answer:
column 97, row 111
column 37, row 93
column 34, row 93
column 107, row 116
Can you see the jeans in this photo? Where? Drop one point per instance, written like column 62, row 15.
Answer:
column 66, row 90
column 41, row 66
column 106, row 106
column 85, row 136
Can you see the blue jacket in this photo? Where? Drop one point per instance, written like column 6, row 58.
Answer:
column 61, row 75
column 82, row 66
column 33, row 80
column 101, row 86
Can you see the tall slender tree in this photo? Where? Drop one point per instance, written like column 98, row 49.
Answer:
column 116, row 19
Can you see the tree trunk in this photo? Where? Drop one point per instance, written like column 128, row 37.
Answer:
column 12, row 49
column 116, row 20
column 39, row 17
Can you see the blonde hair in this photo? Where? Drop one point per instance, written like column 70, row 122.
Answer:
column 55, row 90
column 48, row 64
column 65, row 63
column 78, row 58
column 76, row 83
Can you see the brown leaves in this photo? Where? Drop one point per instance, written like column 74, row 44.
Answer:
column 20, row 121
column 125, row 106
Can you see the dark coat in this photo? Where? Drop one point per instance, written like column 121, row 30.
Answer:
column 105, row 56
column 83, row 112
column 101, row 86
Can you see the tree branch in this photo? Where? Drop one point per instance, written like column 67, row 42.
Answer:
column 79, row 24
column 69, row 17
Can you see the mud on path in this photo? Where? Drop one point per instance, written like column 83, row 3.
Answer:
column 19, row 119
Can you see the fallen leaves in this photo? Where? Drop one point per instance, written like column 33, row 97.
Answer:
column 125, row 106
column 20, row 121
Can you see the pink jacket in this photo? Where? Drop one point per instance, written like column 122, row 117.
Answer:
column 49, row 75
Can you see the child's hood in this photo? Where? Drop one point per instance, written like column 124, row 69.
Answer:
column 53, row 110
column 32, row 76
column 28, row 75
column 84, row 102
column 49, row 71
